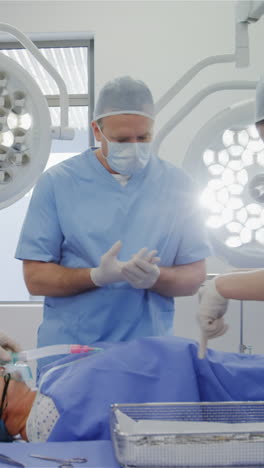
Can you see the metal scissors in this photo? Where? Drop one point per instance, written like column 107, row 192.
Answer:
column 9, row 461
column 62, row 462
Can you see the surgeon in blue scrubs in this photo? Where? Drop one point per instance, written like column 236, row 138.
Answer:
column 112, row 235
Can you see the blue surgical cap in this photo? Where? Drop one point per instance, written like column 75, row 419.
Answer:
column 124, row 95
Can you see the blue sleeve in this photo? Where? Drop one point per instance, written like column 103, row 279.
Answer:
column 194, row 243
column 41, row 236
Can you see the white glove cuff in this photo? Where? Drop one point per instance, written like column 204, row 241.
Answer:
column 215, row 290
column 95, row 277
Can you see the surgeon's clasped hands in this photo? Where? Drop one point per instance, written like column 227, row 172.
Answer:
column 140, row 271
column 109, row 270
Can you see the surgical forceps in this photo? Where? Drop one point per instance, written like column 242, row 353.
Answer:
column 63, row 463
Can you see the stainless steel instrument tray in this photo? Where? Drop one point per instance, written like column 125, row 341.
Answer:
column 188, row 434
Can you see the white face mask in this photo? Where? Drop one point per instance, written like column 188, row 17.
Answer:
column 127, row 158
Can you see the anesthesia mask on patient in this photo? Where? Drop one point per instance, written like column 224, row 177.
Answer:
column 19, row 371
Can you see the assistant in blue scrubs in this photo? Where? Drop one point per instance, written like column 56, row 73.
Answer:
column 82, row 206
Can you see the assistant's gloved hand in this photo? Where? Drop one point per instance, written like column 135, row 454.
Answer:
column 141, row 271
column 7, row 344
column 109, row 270
column 212, row 308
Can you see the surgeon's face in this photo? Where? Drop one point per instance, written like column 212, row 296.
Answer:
column 123, row 128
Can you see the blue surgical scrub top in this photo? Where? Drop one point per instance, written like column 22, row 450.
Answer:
column 78, row 210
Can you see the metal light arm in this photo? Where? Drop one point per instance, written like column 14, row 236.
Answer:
column 189, row 75
column 193, row 102
column 247, row 11
column 63, row 132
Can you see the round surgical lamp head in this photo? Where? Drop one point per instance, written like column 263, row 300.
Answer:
column 25, row 135
column 227, row 159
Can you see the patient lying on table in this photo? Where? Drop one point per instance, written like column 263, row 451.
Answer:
column 74, row 395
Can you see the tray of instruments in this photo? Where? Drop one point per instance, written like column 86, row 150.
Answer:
column 188, row 434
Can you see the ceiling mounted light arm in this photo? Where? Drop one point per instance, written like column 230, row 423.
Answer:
column 189, row 75
column 63, row 132
column 192, row 103
column 247, row 11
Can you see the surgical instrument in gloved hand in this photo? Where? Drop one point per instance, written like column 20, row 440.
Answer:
column 212, row 307
column 10, row 461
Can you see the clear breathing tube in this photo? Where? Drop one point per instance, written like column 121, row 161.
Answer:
column 18, row 368
column 46, row 351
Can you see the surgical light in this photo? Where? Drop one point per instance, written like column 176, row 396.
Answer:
column 231, row 180
column 25, row 123
column 25, row 151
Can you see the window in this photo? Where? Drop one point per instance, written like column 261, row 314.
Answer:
column 73, row 57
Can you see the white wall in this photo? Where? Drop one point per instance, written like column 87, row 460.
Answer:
column 156, row 41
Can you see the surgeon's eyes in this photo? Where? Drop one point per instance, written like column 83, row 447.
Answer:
column 143, row 138
column 123, row 140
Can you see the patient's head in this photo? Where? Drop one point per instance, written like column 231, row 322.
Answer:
column 16, row 400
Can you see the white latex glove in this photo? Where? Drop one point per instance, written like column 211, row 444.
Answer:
column 141, row 272
column 7, row 344
column 109, row 270
column 212, row 308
